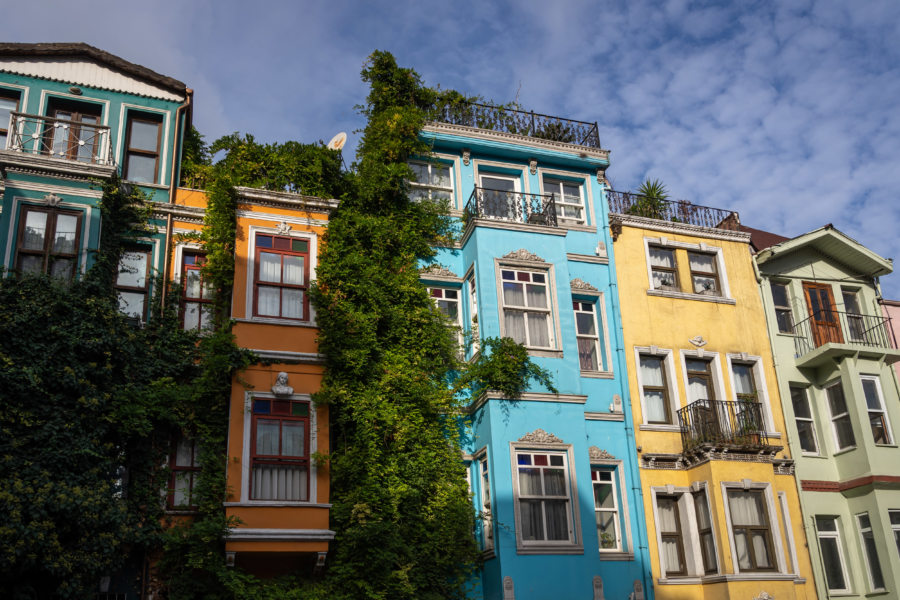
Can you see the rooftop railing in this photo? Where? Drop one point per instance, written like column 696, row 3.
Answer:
column 676, row 211
column 515, row 207
column 722, row 423
column 59, row 138
column 832, row 326
column 509, row 120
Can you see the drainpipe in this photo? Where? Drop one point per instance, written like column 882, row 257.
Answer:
column 173, row 187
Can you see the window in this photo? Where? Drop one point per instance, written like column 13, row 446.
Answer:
column 744, row 382
column 9, row 102
column 828, row 532
column 654, row 390
column 663, row 269
column 806, row 426
column 878, row 420
column 447, row 301
column 876, row 577
column 71, row 132
column 751, row 530
column 606, row 509
column 568, row 200
column 895, row 526
column 196, row 294
column 704, row 275
column 48, row 241
column 280, row 450
column 587, row 336
column 185, row 466
column 840, row 417
column 526, row 308
column 133, row 283
column 142, row 148
column 473, row 313
column 432, row 181
column 783, row 315
column 856, row 326
column 281, row 276
column 705, row 531
column 699, row 379
column 668, row 520
column 487, row 523
column 543, row 497
column 499, row 199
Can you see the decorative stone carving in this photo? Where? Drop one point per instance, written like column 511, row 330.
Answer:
column 283, row 228
column 764, row 596
column 698, row 341
column 509, row 590
column 539, row 436
column 523, row 254
column 601, row 250
column 52, row 199
column 600, row 454
column 616, row 405
column 467, row 156
column 578, row 284
column 638, row 593
column 281, row 387
column 437, row 269
column 532, row 166
column 598, row 588
column 601, row 177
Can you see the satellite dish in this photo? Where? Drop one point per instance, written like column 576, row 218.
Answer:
column 338, row 141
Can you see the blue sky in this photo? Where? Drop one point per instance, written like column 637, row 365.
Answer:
column 783, row 111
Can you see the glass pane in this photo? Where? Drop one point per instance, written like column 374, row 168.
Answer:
column 807, row 437
column 761, row 550
column 654, row 407
column 293, row 270
column 587, row 354
column 537, row 296
column 705, row 285
column 702, row 263
column 826, row 524
column 133, row 269
column 496, row 183
column 141, row 168
column 844, row 431
column 64, row 239
column 440, row 176
column 269, row 267
column 603, row 496
column 35, row 229
column 743, row 379
column 871, row 390
column 785, row 320
column 28, row 263
column 651, row 371
column 834, row 574
column 279, row 482
column 606, row 529
column 181, row 495
column 557, row 521
column 268, row 301
column 267, row 437
column 662, row 258
column 514, row 323
column 538, row 333
column 184, row 452
column 192, row 283
column 800, row 403
column 746, row 508
column 292, row 304
column 191, row 315
column 836, row 399
column 131, row 304
column 779, row 294
column 86, row 141
column 667, row 515
column 851, row 302
column 532, row 521
column 530, row 482
column 742, row 550
column 879, row 431
column 449, row 308
column 62, row 268
column 584, row 323
column 703, row 518
column 554, row 482
column 144, row 135
column 671, row 556
column 513, row 294
column 293, row 438
column 663, row 279
column 420, row 172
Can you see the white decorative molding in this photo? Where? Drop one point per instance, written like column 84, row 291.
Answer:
column 598, row 588
column 638, row 593
column 584, row 152
column 439, row 270
column 588, row 258
column 581, row 285
column 616, row 405
column 52, row 200
column 283, row 228
column 247, row 534
column 670, row 227
column 539, row 436
column 602, row 416
column 523, row 254
column 281, row 388
column 601, row 177
column 279, row 199
column 698, row 341
column 600, row 454
column 509, row 590
column 466, row 156
column 764, row 595
column 601, row 250
column 532, row 166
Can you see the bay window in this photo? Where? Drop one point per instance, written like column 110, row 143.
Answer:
column 752, row 530
column 279, row 450
column 527, row 313
column 840, row 417
column 867, row 536
column 829, row 534
column 543, row 498
column 281, row 277
column 878, row 421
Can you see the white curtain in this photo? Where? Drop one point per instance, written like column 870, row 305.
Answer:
column 698, row 390
column 35, row 229
column 269, row 267
column 654, row 400
column 513, row 294
column 292, row 303
column 537, row 296
column 293, row 436
column 532, row 523
column 514, row 322
column 743, row 379
column 267, row 433
column 267, row 301
column 293, row 270
column 661, row 258
column 554, row 482
column 279, row 482
column 587, row 354
column 538, row 331
column 192, row 284
column 132, row 269
column 702, row 263
column 181, row 493
column 191, row 315
column 65, row 234
column 529, row 482
column 557, row 521
column 746, row 508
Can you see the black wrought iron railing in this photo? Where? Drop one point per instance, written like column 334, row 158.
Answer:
column 721, row 422
column 679, row 211
column 832, row 326
column 509, row 120
column 516, row 207
column 60, row 138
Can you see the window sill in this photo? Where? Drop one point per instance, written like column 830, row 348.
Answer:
column 659, row 427
column 538, row 549
column 617, row 555
column 544, row 352
column 598, row 374
column 844, row 451
column 183, row 511
column 155, row 186
column 267, row 321
column 688, row 296
column 488, row 554
column 576, row 226
column 885, row 446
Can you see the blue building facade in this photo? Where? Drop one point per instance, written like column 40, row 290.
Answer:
column 71, row 116
column 554, row 476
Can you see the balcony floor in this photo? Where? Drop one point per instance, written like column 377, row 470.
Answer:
column 827, row 353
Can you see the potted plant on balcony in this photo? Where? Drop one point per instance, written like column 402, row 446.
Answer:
column 653, row 202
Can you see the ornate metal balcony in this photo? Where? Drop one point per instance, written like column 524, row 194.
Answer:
column 508, row 120
column 722, row 423
column 515, row 207
column 677, row 211
column 835, row 327
column 59, row 138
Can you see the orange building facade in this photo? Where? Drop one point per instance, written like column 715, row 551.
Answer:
column 278, row 493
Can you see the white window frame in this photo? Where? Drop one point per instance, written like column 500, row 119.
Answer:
column 533, row 266
column 714, row 275
column 470, row 285
column 457, row 324
column 676, row 285
column 559, row 198
column 310, row 237
column 836, row 535
column 777, row 544
column 679, row 290
column 623, row 518
column 895, row 526
column 574, row 545
column 715, row 372
column 485, row 500
column 429, row 186
column 668, row 363
column 861, row 531
column 246, row 450
column 882, row 411
column 690, row 538
column 811, row 419
column 783, row 308
column 704, row 487
column 762, row 389
column 585, row 336
column 834, row 417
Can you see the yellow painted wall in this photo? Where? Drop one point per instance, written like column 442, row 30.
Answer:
column 726, row 328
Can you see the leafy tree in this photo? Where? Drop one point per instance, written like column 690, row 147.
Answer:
column 653, row 202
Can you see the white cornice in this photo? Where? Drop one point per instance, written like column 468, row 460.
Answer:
column 283, row 356
column 45, row 164
column 287, row 200
column 682, row 228
column 246, row 534
column 21, row 184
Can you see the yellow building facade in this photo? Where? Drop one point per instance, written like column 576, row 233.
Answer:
column 278, row 493
column 720, row 497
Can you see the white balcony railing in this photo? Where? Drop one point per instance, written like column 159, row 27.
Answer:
column 79, row 141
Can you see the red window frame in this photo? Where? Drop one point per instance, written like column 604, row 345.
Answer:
column 193, row 262
column 193, row 470
column 281, row 411
column 284, row 246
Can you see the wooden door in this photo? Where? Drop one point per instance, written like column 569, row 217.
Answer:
column 824, row 320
